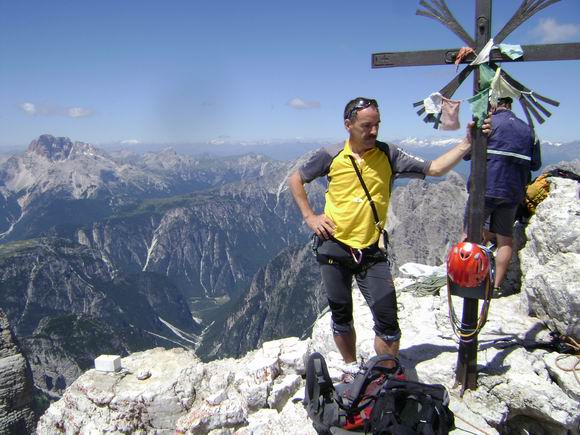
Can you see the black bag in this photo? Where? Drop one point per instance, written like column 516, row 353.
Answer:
column 319, row 395
column 408, row 408
column 375, row 401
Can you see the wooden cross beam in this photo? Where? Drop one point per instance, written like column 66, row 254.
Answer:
column 569, row 51
column 466, row 371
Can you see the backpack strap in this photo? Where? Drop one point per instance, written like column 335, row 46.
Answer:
column 425, row 426
column 383, row 418
column 368, row 194
column 318, row 382
column 427, row 413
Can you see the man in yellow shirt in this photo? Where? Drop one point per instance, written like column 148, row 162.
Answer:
column 348, row 231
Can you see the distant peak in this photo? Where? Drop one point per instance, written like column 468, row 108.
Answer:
column 51, row 147
column 60, row 148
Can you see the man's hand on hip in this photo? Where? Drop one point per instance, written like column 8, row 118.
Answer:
column 321, row 225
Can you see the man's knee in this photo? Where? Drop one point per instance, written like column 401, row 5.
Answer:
column 342, row 328
column 388, row 336
column 342, row 320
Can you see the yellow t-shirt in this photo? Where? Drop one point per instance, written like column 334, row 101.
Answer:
column 346, row 202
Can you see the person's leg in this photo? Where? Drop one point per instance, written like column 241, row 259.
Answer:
column 488, row 237
column 502, row 223
column 346, row 344
column 502, row 258
column 386, row 348
column 337, row 281
column 376, row 285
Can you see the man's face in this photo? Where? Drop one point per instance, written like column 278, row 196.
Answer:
column 365, row 128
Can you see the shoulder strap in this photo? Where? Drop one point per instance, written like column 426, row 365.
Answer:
column 367, row 193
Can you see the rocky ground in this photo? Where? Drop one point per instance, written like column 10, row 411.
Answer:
column 523, row 385
column 259, row 393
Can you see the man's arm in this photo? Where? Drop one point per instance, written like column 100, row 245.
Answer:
column 320, row 224
column 445, row 162
column 536, row 154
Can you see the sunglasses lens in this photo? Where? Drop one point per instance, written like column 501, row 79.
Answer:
column 362, row 103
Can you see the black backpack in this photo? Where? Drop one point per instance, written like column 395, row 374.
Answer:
column 375, row 401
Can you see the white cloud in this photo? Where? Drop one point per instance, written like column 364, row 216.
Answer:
column 32, row 109
column 78, row 112
column 131, row 142
column 549, row 31
column 28, row 108
column 300, row 104
column 220, row 140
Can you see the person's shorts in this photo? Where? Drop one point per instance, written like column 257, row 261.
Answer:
column 499, row 216
column 374, row 280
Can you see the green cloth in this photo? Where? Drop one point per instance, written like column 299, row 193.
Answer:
column 512, row 51
column 486, row 74
column 479, row 106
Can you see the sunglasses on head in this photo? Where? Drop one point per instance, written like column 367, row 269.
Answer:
column 360, row 104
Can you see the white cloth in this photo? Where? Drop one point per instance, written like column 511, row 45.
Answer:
column 483, row 56
column 433, row 103
column 500, row 88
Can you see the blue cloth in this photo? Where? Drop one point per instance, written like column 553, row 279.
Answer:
column 512, row 152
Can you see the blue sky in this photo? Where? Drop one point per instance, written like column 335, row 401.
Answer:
column 186, row 71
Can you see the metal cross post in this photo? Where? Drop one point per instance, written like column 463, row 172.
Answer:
column 466, row 371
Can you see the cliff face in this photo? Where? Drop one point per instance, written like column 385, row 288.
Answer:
column 285, row 297
column 16, row 390
column 67, row 308
column 425, row 219
column 208, row 244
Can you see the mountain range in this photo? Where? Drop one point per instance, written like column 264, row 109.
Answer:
column 115, row 252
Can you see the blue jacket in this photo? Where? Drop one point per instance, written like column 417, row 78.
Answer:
column 512, row 153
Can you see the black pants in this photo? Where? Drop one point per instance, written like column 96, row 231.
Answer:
column 338, row 266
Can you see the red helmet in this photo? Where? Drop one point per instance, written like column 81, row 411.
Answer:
column 467, row 264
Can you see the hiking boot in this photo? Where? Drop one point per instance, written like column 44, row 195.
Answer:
column 349, row 371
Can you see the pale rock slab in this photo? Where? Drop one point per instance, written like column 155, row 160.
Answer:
column 551, row 259
column 16, row 397
column 282, row 390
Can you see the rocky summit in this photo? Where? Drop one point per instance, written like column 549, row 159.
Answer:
column 16, row 395
column 524, row 385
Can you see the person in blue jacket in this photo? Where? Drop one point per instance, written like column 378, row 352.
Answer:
column 512, row 153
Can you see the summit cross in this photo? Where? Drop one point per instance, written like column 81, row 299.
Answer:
column 466, row 370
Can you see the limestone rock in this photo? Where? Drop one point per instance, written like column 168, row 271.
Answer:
column 183, row 393
column 521, row 387
column 120, row 402
column 551, row 259
column 16, row 391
